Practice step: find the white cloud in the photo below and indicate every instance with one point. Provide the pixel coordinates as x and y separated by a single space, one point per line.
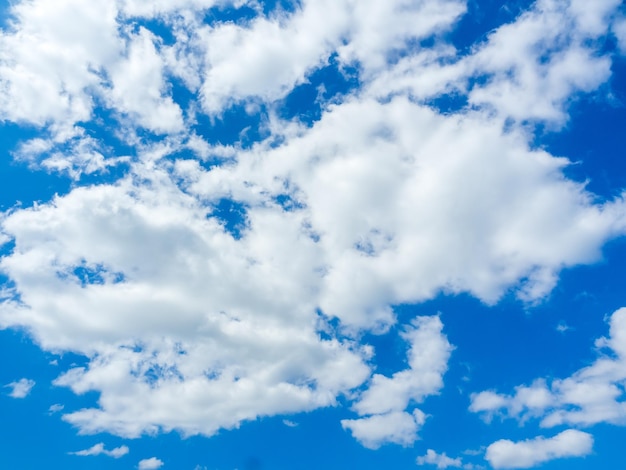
186 327
138 86
442 461
51 57
530 453
429 351
269 57
98 449
529 69
593 394
150 464
526 402
542 59
21 388
397 427
55 408
386 398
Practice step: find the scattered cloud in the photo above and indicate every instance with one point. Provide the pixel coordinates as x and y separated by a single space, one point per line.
439 460
98 449
385 400
150 464
533 452
396 427
563 327
289 423
57 407
21 388
593 394
189 325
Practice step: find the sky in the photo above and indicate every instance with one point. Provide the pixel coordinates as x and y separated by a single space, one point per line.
293 235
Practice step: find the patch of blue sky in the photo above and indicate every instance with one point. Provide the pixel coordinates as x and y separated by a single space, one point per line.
592 139
30 419
229 13
482 18
288 202
390 350
240 125
88 275
328 84
232 215
157 27
21 186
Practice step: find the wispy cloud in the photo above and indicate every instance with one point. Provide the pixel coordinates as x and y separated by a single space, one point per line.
21 388
99 449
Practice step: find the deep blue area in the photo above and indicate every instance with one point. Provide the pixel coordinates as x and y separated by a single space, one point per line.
235 126
232 215
230 14
474 27
594 139
156 27
327 84
96 275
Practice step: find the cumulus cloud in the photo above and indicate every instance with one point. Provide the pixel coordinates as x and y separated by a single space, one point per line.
385 400
189 325
98 449
593 394
397 427
150 464
530 453
21 388
428 355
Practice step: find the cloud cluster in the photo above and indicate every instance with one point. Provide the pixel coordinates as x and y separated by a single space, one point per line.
190 325
593 394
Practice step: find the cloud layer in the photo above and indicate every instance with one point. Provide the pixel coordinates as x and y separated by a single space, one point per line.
195 320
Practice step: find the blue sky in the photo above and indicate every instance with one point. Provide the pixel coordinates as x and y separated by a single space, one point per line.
316 234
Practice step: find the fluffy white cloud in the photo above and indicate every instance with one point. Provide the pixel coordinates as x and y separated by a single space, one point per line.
594 394
150 464
527 454
51 58
465 182
98 449
386 398
270 56
428 361
397 427
529 69
21 388
187 326
540 60
138 85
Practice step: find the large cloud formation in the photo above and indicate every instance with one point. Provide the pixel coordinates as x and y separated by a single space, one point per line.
191 325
